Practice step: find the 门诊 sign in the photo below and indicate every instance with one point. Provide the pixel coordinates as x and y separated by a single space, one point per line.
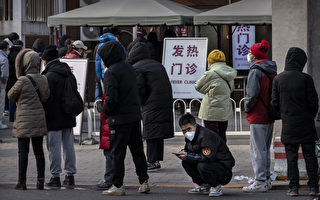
185 63
242 39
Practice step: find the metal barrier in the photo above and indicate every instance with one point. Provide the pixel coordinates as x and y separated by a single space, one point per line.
94 126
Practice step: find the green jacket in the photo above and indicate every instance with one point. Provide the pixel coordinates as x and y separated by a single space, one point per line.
216 104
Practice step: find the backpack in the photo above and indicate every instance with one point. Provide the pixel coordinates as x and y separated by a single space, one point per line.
273 114
72 103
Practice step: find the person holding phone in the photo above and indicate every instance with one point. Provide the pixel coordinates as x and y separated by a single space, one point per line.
205 157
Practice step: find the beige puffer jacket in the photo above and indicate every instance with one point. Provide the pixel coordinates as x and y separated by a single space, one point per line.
30 117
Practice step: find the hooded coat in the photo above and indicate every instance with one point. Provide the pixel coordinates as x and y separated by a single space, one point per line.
30 117
120 85
155 93
56 73
294 95
216 104
259 85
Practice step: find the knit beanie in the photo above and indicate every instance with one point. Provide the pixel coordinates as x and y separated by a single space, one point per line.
260 50
50 53
216 56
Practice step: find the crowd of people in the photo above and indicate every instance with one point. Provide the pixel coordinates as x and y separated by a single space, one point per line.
134 86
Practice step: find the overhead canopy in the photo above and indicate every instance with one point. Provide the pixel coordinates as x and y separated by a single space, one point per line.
242 12
126 13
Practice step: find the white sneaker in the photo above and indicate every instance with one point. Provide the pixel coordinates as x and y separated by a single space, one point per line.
257 186
269 184
144 187
203 189
114 191
3 126
215 191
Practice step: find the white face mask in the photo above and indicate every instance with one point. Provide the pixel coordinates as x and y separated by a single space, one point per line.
7 52
248 58
189 135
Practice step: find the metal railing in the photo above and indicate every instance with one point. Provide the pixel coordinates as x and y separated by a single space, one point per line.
94 121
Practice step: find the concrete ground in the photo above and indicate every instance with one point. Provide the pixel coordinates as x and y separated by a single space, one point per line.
168 183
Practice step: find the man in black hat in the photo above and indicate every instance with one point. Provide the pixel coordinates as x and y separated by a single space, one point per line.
58 122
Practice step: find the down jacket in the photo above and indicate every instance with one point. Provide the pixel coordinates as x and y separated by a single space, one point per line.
120 84
30 117
104 129
155 93
216 104
295 96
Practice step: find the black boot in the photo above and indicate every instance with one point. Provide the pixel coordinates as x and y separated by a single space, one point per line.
40 183
21 186
54 182
69 180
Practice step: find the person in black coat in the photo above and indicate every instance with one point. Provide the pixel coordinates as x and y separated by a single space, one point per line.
156 102
15 49
59 124
123 115
295 97
205 157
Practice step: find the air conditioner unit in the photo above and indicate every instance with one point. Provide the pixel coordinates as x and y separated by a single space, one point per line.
87 2
89 33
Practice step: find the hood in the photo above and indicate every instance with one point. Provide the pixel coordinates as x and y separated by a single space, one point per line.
106 37
58 67
27 62
138 52
224 71
111 52
38 45
295 60
269 66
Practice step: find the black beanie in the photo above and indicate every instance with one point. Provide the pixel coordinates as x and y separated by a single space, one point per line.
50 53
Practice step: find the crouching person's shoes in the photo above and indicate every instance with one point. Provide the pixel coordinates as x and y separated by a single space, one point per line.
69 180
203 189
215 191
256 186
54 182
144 187
114 191
294 191
21 186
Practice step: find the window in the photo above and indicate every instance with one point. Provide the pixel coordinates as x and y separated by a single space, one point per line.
38 11
6 13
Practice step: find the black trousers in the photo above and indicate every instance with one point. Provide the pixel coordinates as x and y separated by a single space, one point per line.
122 136
219 127
23 151
211 173
155 150
311 161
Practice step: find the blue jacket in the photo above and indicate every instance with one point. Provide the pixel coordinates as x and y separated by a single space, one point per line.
103 39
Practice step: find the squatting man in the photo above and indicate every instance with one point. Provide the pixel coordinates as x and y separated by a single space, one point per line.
205 157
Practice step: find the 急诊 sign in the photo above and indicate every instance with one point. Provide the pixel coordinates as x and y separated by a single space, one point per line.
242 39
185 62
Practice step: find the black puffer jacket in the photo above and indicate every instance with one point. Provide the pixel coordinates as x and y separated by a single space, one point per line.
155 93
294 95
120 84
56 72
207 146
